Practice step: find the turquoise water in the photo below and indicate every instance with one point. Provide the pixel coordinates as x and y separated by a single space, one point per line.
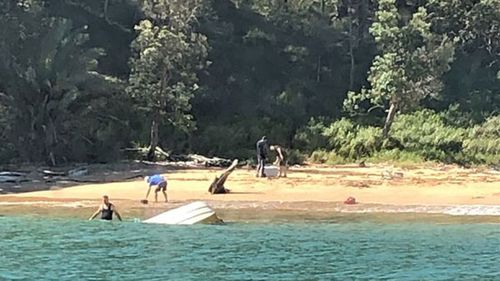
41 248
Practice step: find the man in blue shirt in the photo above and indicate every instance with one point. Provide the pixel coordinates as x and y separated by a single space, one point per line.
161 184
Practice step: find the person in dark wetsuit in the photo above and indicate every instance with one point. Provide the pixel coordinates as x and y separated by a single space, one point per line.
107 210
262 149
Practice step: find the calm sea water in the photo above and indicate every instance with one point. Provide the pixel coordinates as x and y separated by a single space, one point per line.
41 248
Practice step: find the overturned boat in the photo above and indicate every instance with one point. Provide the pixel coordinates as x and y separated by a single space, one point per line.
196 212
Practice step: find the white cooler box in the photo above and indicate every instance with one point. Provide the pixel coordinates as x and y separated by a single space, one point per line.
271 171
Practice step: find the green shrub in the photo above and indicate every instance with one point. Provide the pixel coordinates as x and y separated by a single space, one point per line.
352 142
327 157
426 133
396 155
295 157
319 156
340 133
425 129
483 142
420 136
311 137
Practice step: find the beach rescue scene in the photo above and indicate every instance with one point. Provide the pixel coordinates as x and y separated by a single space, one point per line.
249 140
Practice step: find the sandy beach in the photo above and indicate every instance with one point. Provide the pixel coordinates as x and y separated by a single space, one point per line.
308 188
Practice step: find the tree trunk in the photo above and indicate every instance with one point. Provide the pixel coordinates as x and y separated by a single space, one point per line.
154 137
106 5
351 70
217 186
390 118
351 47
154 133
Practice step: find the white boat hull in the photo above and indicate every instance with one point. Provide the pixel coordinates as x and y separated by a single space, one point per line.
196 212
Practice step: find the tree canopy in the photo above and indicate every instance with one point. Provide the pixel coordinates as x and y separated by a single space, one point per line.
80 80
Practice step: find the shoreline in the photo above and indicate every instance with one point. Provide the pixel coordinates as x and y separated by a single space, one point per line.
41 206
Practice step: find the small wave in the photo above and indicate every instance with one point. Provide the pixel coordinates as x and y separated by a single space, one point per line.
474 210
455 210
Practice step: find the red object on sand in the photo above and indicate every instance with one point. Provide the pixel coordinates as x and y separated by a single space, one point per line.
350 201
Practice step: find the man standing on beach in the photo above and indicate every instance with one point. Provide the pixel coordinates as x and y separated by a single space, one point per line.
262 148
161 184
106 209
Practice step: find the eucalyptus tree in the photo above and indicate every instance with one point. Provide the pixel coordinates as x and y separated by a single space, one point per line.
167 54
410 64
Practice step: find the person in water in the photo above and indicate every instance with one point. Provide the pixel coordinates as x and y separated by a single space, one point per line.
281 159
107 210
161 184
262 148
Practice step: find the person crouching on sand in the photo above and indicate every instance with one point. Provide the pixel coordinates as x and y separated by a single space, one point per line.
106 209
281 159
161 184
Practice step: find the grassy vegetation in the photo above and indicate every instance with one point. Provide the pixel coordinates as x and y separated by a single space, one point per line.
415 138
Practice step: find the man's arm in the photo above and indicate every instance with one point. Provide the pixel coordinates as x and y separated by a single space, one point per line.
280 154
96 213
277 161
117 214
147 193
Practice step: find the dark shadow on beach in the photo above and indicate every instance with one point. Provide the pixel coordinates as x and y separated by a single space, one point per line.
243 192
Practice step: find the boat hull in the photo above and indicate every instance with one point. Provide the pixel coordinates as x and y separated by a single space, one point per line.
196 212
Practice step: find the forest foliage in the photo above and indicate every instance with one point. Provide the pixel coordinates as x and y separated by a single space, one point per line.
336 80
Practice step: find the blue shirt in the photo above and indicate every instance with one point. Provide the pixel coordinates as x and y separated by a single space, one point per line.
155 180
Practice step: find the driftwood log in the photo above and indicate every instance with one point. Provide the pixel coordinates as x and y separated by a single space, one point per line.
12 177
217 186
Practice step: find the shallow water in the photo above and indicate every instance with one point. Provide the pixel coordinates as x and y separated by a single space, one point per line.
328 248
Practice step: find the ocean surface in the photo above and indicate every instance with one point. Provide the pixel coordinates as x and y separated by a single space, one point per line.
333 248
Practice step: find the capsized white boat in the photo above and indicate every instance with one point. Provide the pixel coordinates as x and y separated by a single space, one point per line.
196 212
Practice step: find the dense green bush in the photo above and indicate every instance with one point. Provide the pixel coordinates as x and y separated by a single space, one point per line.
396 155
421 136
352 141
327 157
311 137
483 142
295 157
426 133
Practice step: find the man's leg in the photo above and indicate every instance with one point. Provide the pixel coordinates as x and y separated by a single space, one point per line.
156 195
165 194
262 167
258 166
282 171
